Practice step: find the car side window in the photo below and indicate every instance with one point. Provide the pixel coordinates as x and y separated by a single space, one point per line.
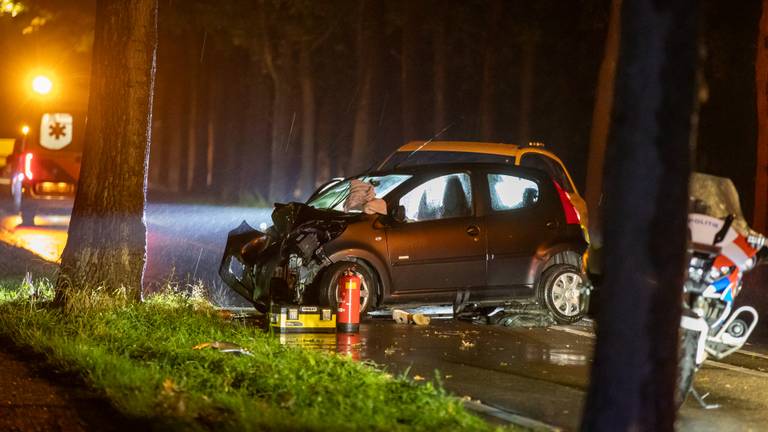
549 166
443 197
509 192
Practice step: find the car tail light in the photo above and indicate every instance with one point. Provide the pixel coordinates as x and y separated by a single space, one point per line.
28 166
571 214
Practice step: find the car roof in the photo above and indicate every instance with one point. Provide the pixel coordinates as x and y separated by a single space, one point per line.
427 169
494 148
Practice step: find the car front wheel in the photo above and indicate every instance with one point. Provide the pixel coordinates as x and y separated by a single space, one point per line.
560 291
329 285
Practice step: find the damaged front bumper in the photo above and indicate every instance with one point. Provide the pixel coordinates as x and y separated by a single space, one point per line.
282 263
244 267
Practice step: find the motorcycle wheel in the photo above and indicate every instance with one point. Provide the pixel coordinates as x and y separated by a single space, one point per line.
686 365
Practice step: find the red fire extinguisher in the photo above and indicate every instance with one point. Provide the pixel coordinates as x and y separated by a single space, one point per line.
348 317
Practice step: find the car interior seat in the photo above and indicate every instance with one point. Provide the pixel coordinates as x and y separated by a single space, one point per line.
426 212
530 196
454 199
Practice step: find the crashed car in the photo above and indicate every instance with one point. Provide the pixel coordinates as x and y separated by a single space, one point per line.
480 236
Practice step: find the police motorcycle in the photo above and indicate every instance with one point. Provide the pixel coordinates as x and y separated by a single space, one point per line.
722 249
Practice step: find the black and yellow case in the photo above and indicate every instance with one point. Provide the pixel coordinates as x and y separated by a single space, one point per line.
301 319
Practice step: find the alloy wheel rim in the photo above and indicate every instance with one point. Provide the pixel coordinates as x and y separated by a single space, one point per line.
566 294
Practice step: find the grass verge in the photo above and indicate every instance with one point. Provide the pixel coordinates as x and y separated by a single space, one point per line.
140 357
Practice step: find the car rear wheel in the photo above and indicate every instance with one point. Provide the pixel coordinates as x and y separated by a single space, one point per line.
329 285
560 291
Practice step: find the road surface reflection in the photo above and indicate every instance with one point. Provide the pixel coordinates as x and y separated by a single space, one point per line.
45 239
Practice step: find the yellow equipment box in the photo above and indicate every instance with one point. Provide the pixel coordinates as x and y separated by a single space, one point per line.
301 319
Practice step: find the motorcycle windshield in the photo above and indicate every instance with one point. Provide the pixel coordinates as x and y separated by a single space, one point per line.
716 197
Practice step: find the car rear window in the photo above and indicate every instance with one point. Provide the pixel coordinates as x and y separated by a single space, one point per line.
407 159
509 192
549 166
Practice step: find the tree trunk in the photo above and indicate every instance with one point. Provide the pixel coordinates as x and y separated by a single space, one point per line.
254 177
366 69
761 90
193 114
439 72
408 68
601 120
197 165
325 133
107 235
527 67
283 118
487 89
177 129
646 190
307 176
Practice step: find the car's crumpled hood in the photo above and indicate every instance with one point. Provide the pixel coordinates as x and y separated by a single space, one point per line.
286 217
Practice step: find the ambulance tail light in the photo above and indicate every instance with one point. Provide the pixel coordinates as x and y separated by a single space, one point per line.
28 166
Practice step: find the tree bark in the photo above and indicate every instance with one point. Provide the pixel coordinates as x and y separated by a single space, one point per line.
408 67
527 67
254 177
487 89
646 190
307 175
439 72
283 119
360 156
107 235
761 91
601 120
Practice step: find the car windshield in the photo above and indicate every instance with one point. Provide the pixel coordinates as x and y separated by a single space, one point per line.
716 197
406 158
333 197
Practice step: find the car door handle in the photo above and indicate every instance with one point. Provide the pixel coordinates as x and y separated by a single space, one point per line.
473 231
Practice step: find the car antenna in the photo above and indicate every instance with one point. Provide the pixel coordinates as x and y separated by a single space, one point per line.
437 135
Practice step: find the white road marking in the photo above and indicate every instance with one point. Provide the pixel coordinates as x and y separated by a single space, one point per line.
727 366
753 354
510 417
737 369
574 331
593 336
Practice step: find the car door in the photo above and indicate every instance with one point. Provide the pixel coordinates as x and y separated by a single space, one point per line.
440 247
517 223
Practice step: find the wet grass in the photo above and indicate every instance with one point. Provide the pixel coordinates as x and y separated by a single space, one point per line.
140 357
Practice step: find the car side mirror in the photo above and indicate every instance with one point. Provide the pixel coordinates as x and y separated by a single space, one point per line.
397 213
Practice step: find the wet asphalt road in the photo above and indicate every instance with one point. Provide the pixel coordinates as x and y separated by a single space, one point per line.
540 373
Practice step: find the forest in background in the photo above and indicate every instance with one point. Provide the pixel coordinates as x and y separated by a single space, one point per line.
262 100
269 99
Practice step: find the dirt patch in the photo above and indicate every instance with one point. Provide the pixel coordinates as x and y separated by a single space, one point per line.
35 398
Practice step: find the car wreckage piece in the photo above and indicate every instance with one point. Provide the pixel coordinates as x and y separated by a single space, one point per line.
281 263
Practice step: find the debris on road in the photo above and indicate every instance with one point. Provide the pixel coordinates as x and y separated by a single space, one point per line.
465 345
402 317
